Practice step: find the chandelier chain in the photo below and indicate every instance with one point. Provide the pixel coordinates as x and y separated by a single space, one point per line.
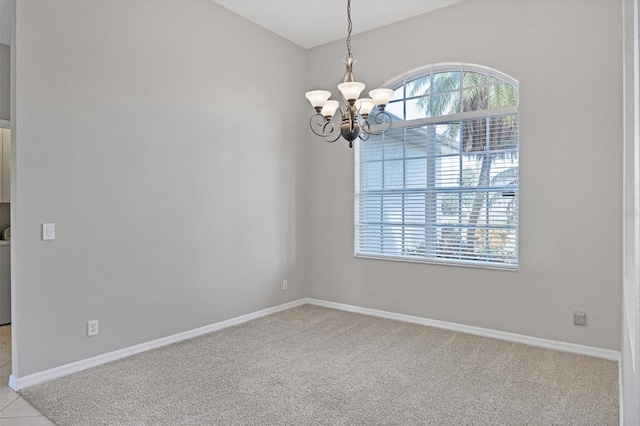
349 27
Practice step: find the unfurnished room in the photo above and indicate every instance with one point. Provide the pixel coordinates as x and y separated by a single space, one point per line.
319 212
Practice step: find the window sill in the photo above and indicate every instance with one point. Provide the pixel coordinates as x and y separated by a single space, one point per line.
466 264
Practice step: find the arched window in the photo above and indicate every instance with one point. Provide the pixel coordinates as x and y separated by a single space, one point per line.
442 184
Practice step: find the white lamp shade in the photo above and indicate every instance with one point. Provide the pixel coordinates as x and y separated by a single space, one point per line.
329 108
365 105
381 96
351 90
317 97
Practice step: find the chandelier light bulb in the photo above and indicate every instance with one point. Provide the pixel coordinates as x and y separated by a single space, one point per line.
364 106
351 90
381 97
317 98
329 109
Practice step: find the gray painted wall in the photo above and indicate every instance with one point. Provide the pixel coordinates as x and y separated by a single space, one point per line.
157 136
567 57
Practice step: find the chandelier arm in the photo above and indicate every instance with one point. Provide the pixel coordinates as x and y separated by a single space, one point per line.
328 128
353 117
327 134
364 135
384 115
362 122
382 132
377 120
314 120
332 127
326 138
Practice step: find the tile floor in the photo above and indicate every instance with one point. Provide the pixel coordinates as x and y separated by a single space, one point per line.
14 411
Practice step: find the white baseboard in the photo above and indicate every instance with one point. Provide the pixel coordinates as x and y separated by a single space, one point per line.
502 335
17 383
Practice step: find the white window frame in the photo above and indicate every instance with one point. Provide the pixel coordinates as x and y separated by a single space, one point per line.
400 81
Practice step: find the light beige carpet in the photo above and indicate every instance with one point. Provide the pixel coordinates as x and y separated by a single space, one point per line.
316 366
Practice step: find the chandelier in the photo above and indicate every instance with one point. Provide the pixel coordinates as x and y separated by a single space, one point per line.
356 113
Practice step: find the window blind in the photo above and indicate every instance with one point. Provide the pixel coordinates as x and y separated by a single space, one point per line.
446 191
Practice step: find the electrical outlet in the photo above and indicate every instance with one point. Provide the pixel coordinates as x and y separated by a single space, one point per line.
579 318
285 284
92 327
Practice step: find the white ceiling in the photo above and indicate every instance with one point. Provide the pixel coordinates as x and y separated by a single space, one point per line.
310 23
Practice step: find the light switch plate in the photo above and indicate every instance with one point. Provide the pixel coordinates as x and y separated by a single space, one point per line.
48 231
92 328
